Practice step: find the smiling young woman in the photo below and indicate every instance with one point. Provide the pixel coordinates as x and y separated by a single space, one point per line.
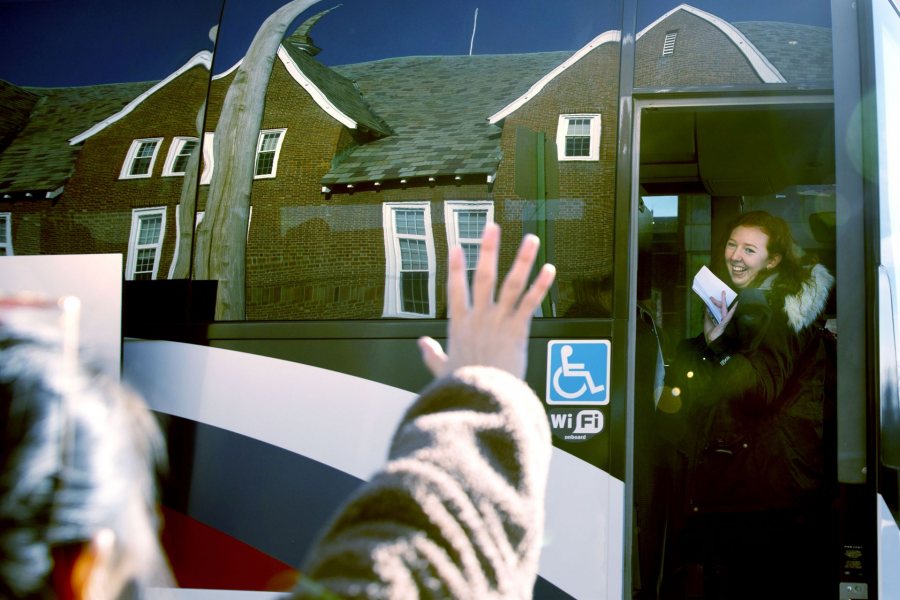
751 393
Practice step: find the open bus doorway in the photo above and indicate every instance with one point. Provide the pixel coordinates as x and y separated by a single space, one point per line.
698 164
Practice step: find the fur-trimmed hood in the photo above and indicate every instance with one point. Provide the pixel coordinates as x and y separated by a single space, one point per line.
805 306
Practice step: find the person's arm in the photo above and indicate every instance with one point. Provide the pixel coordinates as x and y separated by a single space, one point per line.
458 509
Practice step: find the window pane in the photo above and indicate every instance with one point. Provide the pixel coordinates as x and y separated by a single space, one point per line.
414 290
145 259
140 166
265 163
578 146
269 142
579 127
145 150
413 255
184 154
410 222
401 112
150 228
471 252
471 223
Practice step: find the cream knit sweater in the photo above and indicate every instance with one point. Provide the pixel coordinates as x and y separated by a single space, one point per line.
458 509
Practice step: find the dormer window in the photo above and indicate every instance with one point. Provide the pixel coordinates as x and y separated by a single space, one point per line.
669 43
179 154
578 137
268 147
140 158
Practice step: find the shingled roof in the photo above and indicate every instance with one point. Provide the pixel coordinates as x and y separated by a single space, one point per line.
339 90
40 159
801 53
437 107
17 104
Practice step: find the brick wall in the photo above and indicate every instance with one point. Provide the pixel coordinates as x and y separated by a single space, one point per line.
704 56
582 216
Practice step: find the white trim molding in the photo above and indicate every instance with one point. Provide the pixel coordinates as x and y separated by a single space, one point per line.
393 254
604 38
314 92
209 162
203 58
764 69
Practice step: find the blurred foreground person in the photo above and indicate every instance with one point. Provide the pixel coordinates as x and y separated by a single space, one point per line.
458 509
78 458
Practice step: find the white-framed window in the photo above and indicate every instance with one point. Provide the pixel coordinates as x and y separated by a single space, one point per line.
578 137
465 221
140 158
6 244
268 147
669 43
208 161
148 226
409 286
179 155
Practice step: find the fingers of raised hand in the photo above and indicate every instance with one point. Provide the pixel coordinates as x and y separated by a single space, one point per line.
486 271
457 284
536 293
517 278
433 356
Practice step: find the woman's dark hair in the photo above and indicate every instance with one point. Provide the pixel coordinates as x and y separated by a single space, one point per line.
79 454
791 272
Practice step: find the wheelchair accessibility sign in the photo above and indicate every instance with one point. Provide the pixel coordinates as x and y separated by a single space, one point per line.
578 372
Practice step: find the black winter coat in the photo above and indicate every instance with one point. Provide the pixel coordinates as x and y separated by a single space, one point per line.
754 403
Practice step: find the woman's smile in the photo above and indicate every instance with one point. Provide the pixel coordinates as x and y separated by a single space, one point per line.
747 255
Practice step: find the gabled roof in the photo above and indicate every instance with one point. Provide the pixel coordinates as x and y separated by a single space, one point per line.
333 92
604 38
758 61
767 72
437 107
801 53
17 104
40 159
202 58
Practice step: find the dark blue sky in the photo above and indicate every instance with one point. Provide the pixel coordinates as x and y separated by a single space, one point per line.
83 42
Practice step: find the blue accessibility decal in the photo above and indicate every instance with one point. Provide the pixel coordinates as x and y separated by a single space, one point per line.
578 372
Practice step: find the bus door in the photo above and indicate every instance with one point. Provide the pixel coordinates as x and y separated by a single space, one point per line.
698 164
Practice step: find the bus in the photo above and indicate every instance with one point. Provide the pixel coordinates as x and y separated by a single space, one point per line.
279 350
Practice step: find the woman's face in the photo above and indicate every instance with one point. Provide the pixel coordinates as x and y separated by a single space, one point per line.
747 255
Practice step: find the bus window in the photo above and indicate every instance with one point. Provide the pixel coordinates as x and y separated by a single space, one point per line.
700 167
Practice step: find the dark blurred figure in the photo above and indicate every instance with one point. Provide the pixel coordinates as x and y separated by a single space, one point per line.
78 461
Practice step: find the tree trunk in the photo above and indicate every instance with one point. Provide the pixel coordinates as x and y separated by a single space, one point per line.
222 237
187 208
